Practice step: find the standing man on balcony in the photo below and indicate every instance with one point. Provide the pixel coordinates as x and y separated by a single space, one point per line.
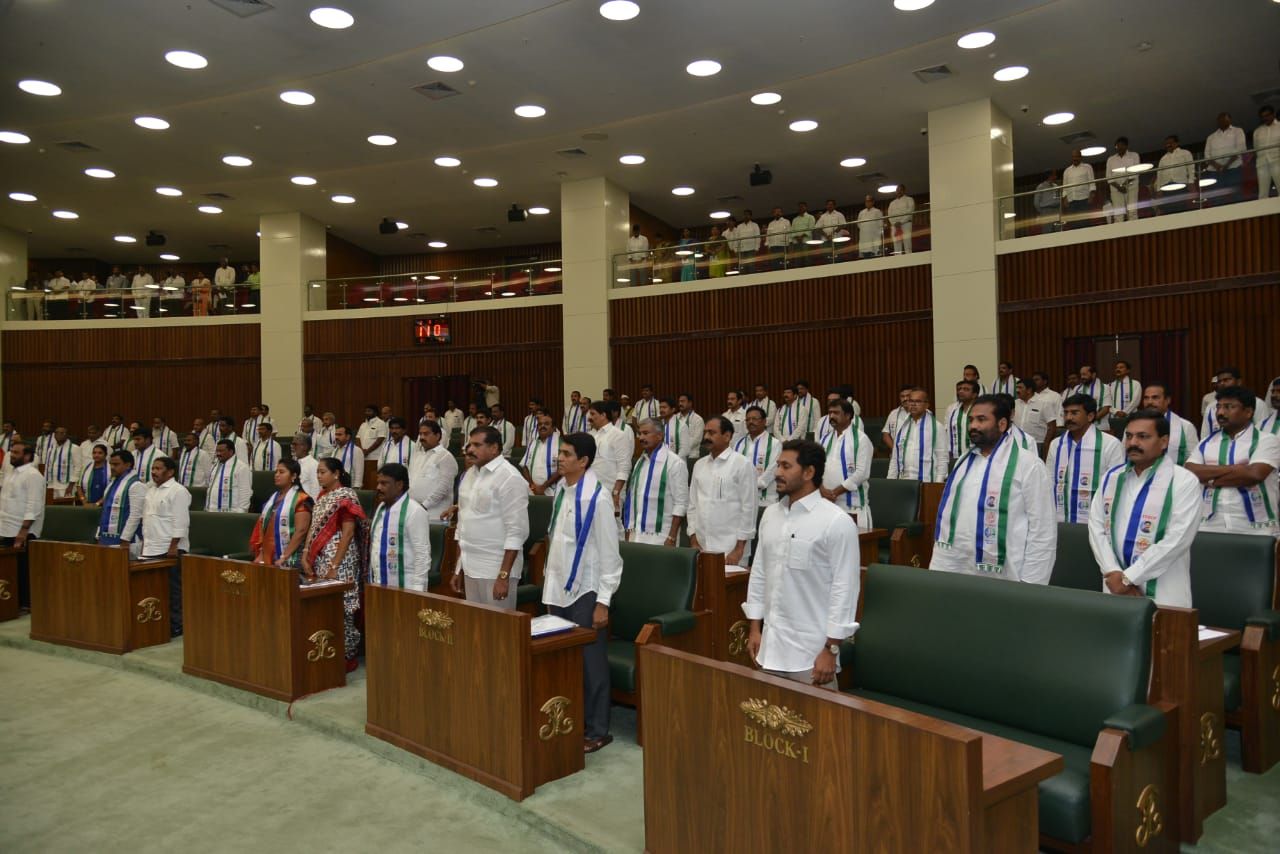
776 236
901 214
832 222
638 257
1178 174
1123 183
224 279
802 226
870 229
1266 145
1048 202
1077 190
1222 152
746 242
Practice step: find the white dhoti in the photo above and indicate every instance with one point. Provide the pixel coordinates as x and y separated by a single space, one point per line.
902 238
1124 204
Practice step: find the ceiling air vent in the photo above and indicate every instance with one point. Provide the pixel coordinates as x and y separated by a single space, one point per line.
872 177
728 200
595 136
1082 136
932 74
222 197
488 229
220 247
572 152
242 8
436 91
76 145
1271 96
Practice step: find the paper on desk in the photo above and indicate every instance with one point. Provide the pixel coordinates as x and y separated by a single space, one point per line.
734 570
549 624
1210 634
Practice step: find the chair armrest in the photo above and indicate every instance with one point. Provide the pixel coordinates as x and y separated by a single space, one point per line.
675 622
1268 620
914 528
1142 725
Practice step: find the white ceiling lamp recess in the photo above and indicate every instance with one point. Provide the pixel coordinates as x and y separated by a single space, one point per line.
331 18
445 64
703 68
619 10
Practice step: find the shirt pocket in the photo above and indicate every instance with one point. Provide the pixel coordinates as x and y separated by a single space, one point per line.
800 554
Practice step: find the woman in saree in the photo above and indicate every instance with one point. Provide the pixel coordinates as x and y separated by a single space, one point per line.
688 264
92 485
285 520
717 250
335 544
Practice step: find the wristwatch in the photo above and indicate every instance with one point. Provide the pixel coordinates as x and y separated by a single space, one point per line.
834 649
503 575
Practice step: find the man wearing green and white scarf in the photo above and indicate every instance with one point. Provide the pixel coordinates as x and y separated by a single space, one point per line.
657 495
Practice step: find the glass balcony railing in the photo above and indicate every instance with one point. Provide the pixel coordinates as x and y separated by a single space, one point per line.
1174 184
52 301
831 241
434 287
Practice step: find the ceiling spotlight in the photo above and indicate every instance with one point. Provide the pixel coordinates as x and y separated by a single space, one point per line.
853 162
485 182
1058 118
382 139
539 210
237 160
973 41
331 18
13 137
703 67
401 226
619 10
96 172
766 99
448 162
887 188
66 214
343 199
209 209
530 111
303 180
445 64
387 226
298 98
1093 151
720 214
911 5
185 59
22 197
39 87
1011 72
517 214
436 244
682 191
168 191
803 125
125 238
631 159
151 123
155 238
169 256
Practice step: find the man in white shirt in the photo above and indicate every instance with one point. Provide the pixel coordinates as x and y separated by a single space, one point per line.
166 522
347 452
266 451
646 405
1175 178
117 281
539 463
761 399
870 229
1266 145
91 437
638 257
1271 424
171 291
575 415
1238 467
58 296
230 481
1228 377
400 535
1145 517
919 450
736 414
1123 183
22 510
832 222
800 421
224 279
1124 394
194 464
781 423
957 418
44 441
144 455
309 414
1182 433
1078 459
62 463
307 428
1005 381
777 235
116 434
1033 416
162 436
398 447
1013 536
746 242
611 459
506 430
691 430
1092 385
802 226
493 523
802 596
580 580
722 498
1072 383
141 287
761 449
120 523
371 433
308 478
324 436
1222 152
894 419
657 497
1049 403
848 467
1077 191
451 419
86 286
433 472
529 429
1048 203
901 214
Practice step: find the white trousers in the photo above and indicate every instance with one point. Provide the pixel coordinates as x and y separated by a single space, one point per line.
1268 172
1124 205
480 591
901 238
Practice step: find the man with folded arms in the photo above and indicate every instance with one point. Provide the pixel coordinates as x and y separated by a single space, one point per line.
1237 466
1145 516
493 523
658 491
400 535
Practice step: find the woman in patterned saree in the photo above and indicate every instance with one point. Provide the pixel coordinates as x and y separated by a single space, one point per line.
286 518
335 544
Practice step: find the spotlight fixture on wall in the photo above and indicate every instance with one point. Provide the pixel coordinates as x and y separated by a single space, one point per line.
387 226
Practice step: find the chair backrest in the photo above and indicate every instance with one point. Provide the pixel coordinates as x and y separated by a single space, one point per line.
220 534
655 580
264 485
1044 659
879 467
894 503
198 496
1233 577
539 518
368 501
437 546
70 524
1075 566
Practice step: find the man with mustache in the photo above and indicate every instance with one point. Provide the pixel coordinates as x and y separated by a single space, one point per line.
1079 458
1237 466
1145 516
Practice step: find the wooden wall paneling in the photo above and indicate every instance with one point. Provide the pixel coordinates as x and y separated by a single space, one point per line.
388 265
344 259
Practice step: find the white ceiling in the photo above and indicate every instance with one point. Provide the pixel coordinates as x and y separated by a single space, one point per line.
847 65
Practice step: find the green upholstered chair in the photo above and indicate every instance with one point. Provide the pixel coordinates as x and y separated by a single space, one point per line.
873 427
221 534
879 467
529 593
67 523
1075 566
437 554
198 496
263 485
368 501
895 506
1021 661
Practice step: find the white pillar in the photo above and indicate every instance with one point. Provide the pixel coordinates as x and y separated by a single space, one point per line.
594 223
970 165
13 271
292 253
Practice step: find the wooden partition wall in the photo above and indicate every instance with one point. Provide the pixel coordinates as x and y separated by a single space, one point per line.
78 377
353 362
872 330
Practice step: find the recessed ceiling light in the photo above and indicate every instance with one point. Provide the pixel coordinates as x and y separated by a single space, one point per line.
168 191
169 256
703 67
382 139
631 159
96 172
446 64
887 188
66 214
331 18
125 238
803 125
343 199
853 162
39 87
911 5
551 269
401 225
151 123
237 160
185 59
539 210
209 209
298 98
448 162
682 191
436 244
13 137
22 197
619 10
303 180
485 182
1093 151
1058 118
973 41
765 99
720 214
1011 72
530 111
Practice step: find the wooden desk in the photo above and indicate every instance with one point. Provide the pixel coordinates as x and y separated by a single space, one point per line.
466 687
742 761
869 545
96 598
255 627
9 583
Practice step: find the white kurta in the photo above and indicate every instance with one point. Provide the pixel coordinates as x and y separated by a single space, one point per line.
657 491
62 465
431 479
400 452
142 461
599 564
400 545
194 467
957 430
612 462
1239 510
762 453
307 476
1182 437
870 231
919 450
21 500
849 465
266 454
799 418
1075 470
541 458
738 418
508 434
722 503
493 517
352 459
166 516
230 487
